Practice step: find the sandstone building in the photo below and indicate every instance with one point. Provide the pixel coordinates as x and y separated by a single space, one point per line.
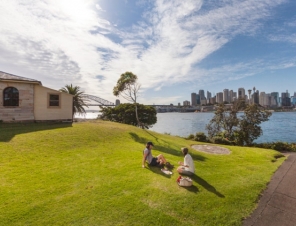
24 99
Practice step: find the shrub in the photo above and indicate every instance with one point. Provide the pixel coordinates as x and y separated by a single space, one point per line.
278 155
278 146
125 113
221 140
283 146
190 137
200 136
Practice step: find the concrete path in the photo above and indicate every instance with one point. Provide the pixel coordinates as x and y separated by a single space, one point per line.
277 206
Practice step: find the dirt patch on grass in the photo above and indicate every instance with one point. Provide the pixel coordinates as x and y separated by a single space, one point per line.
211 149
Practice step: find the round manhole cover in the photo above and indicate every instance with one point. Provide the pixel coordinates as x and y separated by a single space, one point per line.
211 149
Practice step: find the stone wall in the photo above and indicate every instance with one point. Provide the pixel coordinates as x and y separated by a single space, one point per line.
43 111
25 110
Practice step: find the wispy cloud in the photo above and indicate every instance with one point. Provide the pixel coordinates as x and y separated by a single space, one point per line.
69 41
284 38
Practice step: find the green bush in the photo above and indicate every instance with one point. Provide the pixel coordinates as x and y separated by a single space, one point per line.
278 146
221 140
190 137
125 113
200 136
283 146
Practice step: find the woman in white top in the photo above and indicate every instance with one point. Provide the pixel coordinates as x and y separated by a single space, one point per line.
186 167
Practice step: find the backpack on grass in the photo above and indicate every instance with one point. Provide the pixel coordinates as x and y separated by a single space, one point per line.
184 181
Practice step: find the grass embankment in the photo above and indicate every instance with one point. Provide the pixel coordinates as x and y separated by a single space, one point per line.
90 174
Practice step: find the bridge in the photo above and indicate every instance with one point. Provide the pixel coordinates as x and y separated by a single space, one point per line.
98 100
159 108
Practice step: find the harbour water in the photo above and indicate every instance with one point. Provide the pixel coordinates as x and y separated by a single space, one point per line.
281 126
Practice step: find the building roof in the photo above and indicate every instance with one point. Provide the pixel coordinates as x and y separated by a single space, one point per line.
14 78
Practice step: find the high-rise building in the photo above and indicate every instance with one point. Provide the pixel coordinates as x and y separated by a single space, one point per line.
209 95
255 97
275 101
202 94
230 96
219 98
268 99
197 99
286 100
241 93
234 96
263 99
193 99
293 100
226 95
117 102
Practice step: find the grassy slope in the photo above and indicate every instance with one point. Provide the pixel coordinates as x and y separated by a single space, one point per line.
90 174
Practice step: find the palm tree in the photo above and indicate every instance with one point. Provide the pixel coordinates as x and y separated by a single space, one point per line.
79 102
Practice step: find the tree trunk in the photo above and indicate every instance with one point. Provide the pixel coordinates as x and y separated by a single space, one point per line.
137 117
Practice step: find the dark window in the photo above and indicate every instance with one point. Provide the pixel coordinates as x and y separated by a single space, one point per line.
54 100
10 97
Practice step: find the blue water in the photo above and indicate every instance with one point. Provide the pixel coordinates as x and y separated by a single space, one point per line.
280 127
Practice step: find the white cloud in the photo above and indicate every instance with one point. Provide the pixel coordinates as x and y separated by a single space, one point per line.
284 38
99 7
65 41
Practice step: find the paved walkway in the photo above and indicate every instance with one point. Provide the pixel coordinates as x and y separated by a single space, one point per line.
277 206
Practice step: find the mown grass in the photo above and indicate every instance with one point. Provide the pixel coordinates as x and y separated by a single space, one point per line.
90 174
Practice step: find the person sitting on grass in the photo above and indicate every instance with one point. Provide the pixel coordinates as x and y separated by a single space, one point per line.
186 167
152 161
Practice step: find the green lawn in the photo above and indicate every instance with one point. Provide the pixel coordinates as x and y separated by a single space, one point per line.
90 174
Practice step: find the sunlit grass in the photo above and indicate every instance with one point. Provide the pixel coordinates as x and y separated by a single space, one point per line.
90 174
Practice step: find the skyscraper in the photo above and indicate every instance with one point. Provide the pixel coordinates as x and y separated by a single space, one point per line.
234 96
256 97
275 102
209 95
197 99
286 100
193 99
263 99
230 96
219 98
241 93
226 95
202 94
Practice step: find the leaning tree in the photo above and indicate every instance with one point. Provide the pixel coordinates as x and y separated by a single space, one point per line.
128 87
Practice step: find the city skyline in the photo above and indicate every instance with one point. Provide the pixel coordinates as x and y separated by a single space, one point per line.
254 95
173 46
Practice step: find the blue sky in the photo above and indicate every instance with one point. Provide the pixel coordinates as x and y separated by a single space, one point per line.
175 47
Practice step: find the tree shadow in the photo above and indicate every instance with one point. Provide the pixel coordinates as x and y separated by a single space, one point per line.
165 149
9 130
206 185
156 138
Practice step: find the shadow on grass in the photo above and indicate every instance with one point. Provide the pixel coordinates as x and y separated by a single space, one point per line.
157 170
9 130
192 188
165 149
206 185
